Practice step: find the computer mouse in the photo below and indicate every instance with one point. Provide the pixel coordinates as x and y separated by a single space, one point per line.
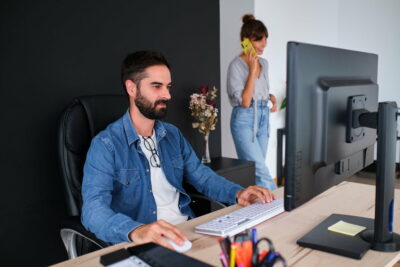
185 247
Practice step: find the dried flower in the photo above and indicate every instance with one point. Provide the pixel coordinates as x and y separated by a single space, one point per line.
203 109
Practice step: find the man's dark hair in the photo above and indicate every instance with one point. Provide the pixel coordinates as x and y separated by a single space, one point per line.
134 65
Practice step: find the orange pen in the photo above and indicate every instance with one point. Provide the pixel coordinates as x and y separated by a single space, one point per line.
248 252
244 253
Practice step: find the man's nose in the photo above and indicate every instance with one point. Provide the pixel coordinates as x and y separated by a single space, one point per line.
166 94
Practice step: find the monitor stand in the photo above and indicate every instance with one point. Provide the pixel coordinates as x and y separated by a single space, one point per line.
379 233
349 246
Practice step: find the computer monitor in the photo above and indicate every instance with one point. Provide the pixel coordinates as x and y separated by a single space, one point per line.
331 129
319 82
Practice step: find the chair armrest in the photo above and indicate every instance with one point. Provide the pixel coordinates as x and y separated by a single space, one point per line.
216 203
72 232
201 204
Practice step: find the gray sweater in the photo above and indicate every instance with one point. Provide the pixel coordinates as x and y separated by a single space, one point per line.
237 77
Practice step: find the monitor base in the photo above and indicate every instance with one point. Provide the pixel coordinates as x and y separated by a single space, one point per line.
321 238
391 245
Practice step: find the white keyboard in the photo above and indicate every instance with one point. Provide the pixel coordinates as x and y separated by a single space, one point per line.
239 220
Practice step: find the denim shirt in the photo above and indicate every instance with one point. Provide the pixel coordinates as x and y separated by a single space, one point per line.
116 188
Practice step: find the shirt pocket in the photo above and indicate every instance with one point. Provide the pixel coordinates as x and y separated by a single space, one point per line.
126 176
127 185
177 163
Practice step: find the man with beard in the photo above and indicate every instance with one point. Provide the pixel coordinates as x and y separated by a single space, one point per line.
132 185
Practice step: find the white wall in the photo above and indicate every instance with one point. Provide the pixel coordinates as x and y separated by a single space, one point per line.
365 25
374 26
307 21
231 12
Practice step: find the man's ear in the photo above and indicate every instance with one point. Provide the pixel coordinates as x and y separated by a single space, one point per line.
130 88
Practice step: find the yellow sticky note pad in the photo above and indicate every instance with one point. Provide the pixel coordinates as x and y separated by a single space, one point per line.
346 228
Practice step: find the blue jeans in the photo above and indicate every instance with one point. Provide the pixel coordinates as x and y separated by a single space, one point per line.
249 148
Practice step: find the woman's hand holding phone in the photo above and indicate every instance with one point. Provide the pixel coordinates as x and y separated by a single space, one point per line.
247 47
250 57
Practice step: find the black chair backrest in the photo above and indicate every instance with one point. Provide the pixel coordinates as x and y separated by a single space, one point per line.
80 122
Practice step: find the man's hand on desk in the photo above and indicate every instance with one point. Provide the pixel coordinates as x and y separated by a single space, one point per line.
156 232
253 194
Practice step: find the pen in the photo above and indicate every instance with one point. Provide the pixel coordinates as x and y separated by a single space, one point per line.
254 236
240 254
248 252
225 247
223 259
232 257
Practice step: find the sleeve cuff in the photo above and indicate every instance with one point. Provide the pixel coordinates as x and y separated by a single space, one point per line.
233 192
125 228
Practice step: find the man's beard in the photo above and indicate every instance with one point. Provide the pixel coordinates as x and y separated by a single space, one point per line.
148 109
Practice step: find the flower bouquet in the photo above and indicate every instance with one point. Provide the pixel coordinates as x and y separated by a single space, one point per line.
203 109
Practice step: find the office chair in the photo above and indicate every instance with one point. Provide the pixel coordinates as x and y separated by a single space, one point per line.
83 118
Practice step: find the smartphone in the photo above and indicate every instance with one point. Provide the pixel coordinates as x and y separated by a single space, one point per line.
247 47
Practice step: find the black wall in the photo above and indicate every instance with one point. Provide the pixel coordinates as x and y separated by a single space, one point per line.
52 51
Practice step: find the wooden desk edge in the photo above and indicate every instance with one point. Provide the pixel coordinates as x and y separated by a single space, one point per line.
187 229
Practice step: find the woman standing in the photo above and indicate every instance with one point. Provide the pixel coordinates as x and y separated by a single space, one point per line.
248 91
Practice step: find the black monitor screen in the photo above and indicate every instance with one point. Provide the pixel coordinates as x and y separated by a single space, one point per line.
321 84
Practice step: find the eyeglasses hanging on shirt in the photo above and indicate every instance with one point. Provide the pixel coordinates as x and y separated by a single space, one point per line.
151 146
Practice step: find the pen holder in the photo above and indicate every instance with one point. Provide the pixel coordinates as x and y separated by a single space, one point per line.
245 251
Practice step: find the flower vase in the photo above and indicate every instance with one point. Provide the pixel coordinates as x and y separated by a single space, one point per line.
206 154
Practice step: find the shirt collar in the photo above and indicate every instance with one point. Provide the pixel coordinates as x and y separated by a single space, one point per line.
131 133
160 129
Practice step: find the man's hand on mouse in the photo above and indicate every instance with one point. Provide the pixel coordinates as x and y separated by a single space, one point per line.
156 232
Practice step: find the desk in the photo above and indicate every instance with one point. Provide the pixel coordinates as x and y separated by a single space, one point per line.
239 171
284 229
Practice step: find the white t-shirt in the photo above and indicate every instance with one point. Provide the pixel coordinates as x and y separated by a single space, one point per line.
165 195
